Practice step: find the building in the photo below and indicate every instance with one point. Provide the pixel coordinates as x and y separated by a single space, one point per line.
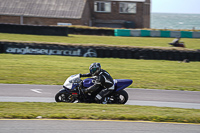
102 13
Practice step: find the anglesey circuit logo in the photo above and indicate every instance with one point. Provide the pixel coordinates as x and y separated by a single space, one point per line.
45 51
90 53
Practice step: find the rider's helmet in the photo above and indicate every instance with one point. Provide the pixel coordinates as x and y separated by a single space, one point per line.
95 68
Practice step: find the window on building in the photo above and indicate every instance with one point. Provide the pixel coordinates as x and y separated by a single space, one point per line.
125 7
100 6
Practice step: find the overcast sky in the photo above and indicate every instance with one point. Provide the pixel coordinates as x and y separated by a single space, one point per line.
176 6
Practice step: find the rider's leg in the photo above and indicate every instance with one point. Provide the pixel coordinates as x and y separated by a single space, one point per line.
103 93
91 89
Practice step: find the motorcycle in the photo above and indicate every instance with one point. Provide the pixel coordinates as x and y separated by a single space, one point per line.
73 91
176 43
181 44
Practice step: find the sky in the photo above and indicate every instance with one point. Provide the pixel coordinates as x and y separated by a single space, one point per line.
176 6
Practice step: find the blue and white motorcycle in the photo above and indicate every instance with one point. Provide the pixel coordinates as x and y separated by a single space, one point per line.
73 86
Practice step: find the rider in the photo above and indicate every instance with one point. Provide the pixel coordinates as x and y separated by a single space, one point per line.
103 79
175 42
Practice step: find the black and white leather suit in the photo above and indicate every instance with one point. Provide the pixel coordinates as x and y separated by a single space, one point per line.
103 79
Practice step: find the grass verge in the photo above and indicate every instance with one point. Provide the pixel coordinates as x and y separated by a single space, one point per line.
53 70
191 43
95 111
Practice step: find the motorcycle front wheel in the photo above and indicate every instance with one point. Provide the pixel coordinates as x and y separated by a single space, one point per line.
64 97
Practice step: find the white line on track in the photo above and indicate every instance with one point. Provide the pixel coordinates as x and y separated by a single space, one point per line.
36 90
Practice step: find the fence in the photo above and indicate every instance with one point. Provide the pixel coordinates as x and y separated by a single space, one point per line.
82 31
153 33
34 30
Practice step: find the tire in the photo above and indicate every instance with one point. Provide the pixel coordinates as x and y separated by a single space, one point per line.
121 97
64 97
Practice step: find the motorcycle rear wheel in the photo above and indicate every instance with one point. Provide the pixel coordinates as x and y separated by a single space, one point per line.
121 97
64 97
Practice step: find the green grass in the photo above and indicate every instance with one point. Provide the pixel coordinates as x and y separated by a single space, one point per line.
191 43
53 70
44 69
97 111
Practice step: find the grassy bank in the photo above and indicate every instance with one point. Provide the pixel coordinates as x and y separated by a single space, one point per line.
191 43
96 111
153 74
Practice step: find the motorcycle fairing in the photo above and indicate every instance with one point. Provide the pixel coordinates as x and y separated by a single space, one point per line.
122 83
72 81
119 83
88 82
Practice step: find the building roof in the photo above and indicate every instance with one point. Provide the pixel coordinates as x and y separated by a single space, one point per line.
125 0
43 8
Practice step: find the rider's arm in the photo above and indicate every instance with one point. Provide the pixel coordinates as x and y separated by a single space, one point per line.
86 75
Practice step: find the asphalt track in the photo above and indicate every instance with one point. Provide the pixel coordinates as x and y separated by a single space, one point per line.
147 97
82 126
46 93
